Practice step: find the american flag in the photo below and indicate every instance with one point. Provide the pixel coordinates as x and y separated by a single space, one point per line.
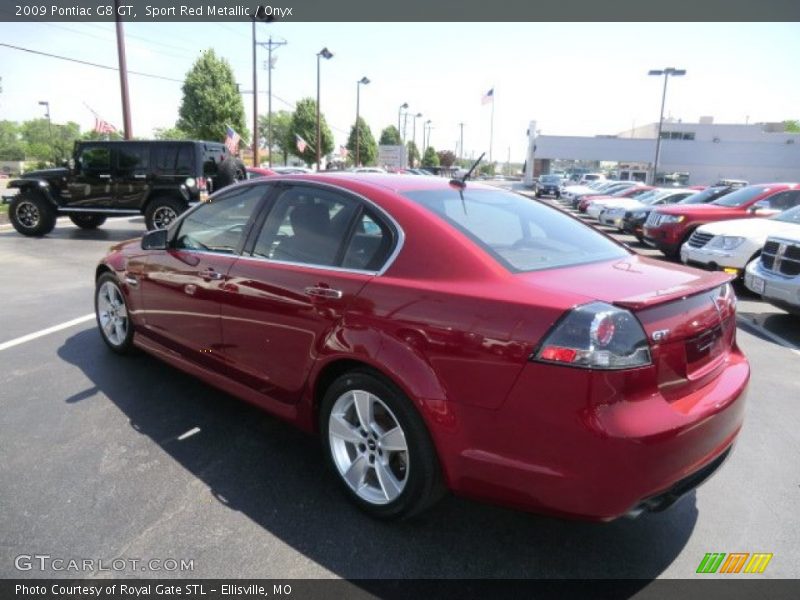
488 97
232 140
101 126
343 151
301 143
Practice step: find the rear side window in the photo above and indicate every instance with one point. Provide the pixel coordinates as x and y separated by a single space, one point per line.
306 225
369 245
521 234
173 159
133 158
741 196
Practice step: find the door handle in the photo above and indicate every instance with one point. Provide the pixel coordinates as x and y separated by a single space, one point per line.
104 176
323 292
140 176
210 273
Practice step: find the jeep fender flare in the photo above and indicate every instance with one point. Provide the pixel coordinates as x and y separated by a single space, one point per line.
34 186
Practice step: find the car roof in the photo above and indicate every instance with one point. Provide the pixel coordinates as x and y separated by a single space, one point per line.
387 181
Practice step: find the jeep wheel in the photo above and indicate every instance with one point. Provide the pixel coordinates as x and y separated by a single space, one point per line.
161 212
88 221
32 215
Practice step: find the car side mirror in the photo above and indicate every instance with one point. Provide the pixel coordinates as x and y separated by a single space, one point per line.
760 205
155 240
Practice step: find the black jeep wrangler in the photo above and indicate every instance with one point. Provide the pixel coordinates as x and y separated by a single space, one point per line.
159 179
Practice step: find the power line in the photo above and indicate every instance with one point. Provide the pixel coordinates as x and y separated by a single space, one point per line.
87 63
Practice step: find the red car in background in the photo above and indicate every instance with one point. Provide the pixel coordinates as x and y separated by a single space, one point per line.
669 227
631 192
439 334
256 172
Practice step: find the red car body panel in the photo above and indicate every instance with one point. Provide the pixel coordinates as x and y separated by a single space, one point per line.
455 331
669 237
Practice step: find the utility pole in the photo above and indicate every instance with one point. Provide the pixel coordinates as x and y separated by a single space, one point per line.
270 65
461 147
255 100
123 76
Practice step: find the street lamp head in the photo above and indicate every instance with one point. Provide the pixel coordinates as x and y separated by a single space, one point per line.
678 72
418 115
364 80
44 102
404 105
428 122
325 53
655 72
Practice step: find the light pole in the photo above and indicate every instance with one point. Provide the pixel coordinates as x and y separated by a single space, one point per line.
363 81
666 73
327 55
426 141
46 105
403 106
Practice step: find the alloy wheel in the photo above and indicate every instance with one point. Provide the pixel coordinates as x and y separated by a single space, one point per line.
368 446
112 314
28 214
163 216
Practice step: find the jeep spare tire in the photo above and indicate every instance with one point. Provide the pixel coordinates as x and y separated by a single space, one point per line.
229 171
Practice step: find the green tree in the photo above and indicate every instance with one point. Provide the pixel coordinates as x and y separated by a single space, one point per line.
304 124
48 142
211 100
413 154
11 147
430 159
390 137
367 148
446 158
281 124
170 133
792 126
486 169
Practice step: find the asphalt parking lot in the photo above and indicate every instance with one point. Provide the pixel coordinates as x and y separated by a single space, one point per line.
106 456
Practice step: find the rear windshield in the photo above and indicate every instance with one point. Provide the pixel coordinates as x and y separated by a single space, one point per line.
521 234
741 196
707 195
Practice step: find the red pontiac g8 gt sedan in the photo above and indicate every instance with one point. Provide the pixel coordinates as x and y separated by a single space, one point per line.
443 335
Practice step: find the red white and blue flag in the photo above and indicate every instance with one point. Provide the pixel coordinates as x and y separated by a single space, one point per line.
301 143
232 140
343 152
488 97
101 126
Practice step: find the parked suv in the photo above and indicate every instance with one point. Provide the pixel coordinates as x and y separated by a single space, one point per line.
159 179
549 185
669 227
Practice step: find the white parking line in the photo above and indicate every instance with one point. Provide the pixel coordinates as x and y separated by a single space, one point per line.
747 323
44 332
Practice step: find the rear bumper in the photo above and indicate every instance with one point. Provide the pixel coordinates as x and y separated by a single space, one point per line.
573 443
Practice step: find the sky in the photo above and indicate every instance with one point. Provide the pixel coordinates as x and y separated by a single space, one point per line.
571 78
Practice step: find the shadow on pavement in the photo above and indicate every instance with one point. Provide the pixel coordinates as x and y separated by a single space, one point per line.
275 475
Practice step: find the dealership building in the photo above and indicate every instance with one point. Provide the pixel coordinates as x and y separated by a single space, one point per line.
707 151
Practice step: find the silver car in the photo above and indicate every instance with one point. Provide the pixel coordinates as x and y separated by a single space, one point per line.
776 274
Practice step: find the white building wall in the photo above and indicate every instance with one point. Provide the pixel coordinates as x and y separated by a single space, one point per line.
768 160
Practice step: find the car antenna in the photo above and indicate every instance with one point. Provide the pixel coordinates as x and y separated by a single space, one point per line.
462 182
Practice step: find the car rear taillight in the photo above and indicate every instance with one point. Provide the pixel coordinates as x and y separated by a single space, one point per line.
596 336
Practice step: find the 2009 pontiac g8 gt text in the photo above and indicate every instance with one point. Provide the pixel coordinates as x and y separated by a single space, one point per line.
440 335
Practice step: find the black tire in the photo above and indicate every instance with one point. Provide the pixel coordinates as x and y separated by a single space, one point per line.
422 484
112 314
88 221
161 212
31 214
229 172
